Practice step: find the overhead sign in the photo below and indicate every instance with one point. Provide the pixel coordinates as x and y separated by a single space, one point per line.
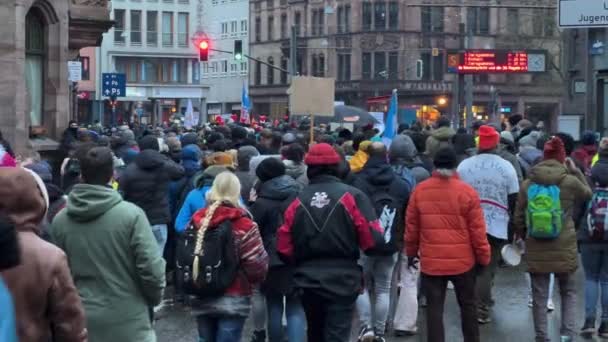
74 71
114 85
583 13
312 95
496 61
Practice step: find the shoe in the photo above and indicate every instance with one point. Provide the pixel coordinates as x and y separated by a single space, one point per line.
379 339
550 305
405 333
366 334
588 328
530 302
603 330
259 336
484 320
566 339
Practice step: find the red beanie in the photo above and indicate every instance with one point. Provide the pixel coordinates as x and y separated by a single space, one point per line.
488 138
554 149
322 154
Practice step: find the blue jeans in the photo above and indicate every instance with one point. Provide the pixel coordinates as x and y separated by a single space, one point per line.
296 318
160 233
220 328
595 264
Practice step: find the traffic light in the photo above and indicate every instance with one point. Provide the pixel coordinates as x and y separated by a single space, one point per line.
203 50
238 50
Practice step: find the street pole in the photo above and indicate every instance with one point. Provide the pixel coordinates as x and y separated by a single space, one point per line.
458 86
293 51
468 80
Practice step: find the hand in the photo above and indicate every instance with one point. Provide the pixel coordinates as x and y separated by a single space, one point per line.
571 166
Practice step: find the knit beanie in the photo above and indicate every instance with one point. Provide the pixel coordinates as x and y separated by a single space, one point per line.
322 154
270 168
402 147
554 149
530 139
588 138
189 139
149 142
245 153
488 138
445 158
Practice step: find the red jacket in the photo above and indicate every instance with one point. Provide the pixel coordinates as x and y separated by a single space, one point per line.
445 227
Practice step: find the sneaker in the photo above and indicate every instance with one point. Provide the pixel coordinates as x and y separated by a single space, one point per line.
405 333
530 302
550 305
603 330
484 320
366 334
566 339
588 327
379 339
259 336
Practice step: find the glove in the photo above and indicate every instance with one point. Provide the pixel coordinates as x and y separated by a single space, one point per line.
413 262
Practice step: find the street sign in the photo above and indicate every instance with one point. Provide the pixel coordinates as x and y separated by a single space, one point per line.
114 85
583 13
74 71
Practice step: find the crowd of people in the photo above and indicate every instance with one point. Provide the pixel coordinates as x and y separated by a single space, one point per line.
337 239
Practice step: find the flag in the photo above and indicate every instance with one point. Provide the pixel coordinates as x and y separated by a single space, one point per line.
245 105
189 117
390 130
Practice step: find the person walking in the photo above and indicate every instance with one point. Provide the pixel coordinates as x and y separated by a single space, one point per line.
112 252
554 187
220 318
47 304
445 228
274 191
325 227
495 180
145 183
389 194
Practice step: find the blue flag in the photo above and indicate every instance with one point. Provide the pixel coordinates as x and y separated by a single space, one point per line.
245 105
390 130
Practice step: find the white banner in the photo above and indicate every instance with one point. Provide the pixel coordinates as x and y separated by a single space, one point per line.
583 13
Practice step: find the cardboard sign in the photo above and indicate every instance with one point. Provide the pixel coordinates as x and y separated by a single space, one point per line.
311 96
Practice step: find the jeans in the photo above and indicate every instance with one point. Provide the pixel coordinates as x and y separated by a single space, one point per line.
485 279
378 273
329 320
296 318
219 328
567 289
595 264
464 286
258 310
160 233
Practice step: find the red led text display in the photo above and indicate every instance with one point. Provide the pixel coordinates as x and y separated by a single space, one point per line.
488 61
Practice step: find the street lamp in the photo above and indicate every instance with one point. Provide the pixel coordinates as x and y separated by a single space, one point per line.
442 101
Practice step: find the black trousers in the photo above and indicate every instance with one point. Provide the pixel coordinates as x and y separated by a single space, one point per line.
464 286
328 320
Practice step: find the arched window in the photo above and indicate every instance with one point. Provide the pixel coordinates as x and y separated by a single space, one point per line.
35 54
270 73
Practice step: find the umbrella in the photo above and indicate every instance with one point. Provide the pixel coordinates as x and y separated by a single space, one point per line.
349 114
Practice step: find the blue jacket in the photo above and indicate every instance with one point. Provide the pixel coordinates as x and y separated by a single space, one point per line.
195 201
8 330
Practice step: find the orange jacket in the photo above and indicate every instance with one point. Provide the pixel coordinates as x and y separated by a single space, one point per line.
445 226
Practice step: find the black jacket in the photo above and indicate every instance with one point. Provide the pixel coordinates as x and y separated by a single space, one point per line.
379 176
267 210
324 229
145 183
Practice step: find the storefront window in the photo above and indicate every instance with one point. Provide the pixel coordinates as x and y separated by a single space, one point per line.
34 65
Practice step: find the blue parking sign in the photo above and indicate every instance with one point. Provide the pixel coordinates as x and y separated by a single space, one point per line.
114 85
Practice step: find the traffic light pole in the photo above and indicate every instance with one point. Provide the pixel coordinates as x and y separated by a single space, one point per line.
253 59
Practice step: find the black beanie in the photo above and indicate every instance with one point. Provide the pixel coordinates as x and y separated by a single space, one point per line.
149 142
445 158
270 168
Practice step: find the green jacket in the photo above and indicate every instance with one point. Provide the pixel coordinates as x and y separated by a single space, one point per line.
114 260
558 255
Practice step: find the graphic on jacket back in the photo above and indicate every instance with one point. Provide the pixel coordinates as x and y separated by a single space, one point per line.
319 200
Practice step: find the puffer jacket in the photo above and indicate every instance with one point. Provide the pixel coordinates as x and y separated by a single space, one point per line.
294 170
558 255
439 138
445 226
45 298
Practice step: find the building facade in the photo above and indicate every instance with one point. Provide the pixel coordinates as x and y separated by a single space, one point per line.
225 21
372 47
38 38
152 43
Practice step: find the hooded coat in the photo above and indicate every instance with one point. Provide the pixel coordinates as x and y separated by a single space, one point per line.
439 138
558 255
403 154
191 162
46 300
115 262
527 157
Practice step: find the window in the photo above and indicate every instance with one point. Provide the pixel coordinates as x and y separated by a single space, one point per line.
119 26
366 10
244 27
271 28
393 65
205 69
233 69
269 4
549 23
224 28
258 29
478 19
153 70
317 21
513 21
393 15
234 28
152 28
298 24
432 67
438 68
432 19
380 71
243 68
258 73
86 68
318 65
343 18
366 66
224 66
270 71
284 34
379 16
135 27
284 67
167 29
426 65
344 67
34 65
182 29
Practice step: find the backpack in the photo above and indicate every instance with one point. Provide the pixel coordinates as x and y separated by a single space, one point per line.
597 217
544 212
389 210
407 175
217 266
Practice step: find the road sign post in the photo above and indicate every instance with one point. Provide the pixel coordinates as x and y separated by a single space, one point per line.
113 86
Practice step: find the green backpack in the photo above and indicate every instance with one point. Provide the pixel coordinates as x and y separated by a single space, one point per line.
544 213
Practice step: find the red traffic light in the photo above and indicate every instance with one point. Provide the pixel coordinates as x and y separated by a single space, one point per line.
203 45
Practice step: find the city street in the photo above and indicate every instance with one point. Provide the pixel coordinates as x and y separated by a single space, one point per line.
512 317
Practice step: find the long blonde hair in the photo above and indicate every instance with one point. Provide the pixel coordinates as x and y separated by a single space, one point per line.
226 188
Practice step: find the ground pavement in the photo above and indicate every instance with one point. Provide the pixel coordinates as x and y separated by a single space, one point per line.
512 316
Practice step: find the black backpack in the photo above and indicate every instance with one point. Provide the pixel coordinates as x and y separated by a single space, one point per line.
389 210
217 266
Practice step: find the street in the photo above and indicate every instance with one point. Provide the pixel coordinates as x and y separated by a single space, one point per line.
512 318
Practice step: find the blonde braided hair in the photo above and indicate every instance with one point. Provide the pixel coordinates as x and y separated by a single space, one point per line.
200 236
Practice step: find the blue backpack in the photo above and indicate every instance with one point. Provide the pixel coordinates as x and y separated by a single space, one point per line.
544 212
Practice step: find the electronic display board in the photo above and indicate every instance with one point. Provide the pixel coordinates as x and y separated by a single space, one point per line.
496 61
